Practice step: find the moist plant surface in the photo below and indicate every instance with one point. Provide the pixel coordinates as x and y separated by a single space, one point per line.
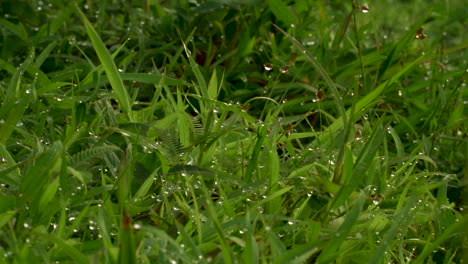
233 131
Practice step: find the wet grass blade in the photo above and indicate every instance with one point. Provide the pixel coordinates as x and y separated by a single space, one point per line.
319 68
37 176
370 100
402 44
110 68
331 250
431 246
402 218
16 111
71 251
361 166
196 70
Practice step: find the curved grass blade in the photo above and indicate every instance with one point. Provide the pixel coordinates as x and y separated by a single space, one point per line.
336 95
364 104
110 68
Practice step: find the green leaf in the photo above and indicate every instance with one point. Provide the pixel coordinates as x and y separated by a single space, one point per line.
18 29
213 87
145 187
6 216
299 253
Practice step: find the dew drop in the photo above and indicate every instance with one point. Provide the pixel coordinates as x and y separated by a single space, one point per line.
364 9
268 66
284 69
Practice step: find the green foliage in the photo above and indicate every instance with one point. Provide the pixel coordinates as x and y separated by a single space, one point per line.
233 131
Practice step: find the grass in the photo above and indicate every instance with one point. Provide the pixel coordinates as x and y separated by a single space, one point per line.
262 132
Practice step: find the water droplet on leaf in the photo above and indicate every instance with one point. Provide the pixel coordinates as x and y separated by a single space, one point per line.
268 66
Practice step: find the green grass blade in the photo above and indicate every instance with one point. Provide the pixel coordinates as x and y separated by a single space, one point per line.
127 252
145 187
11 175
226 250
6 216
251 253
253 162
299 254
273 178
361 166
331 250
18 29
402 44
15 114
14 89
428 250
402 218
74 253
38 175
190 242
196 70
319 68
44 54
110 68
370 100
213 87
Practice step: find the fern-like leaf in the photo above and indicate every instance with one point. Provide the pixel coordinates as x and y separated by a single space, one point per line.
91 153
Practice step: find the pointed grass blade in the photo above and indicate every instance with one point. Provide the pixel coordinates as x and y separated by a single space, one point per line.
196 70
110 68
368 101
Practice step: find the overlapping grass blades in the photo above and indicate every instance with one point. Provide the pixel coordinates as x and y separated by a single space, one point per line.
203 167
